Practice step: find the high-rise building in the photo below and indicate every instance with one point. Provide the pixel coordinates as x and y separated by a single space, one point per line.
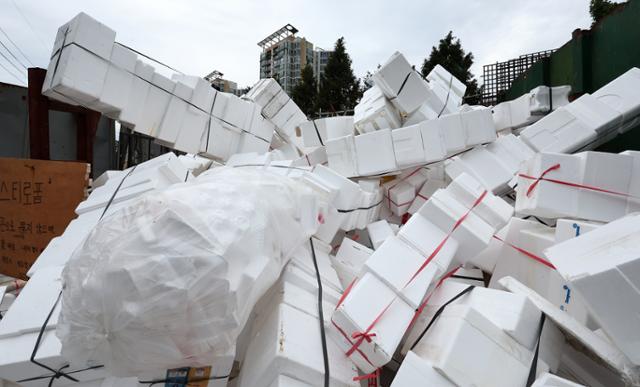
284 55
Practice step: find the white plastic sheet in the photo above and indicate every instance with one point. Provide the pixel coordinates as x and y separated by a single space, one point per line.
171 279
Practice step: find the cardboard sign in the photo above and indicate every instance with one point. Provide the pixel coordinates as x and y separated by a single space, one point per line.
37 202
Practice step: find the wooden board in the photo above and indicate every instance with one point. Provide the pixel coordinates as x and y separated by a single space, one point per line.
37 202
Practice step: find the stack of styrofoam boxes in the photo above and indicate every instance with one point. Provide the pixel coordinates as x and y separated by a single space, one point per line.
80 62
155 174
379 232
278 108
602 171
621 95
604 267
386 276
316 132
530 107
494 165
401 84
591 119
20 327
354 204
400 192
444 97
436 179
534 237
384 150
375 112
284 340
349 260
506 325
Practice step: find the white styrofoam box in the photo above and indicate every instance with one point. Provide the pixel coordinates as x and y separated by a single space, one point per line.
416 371
511 152
88 33
316 156
395 263
171 124
473 234
233 110
341 155
260 126
559 131
421 234
440 75
296 275
594 113
633 204
193 130
102 179
288 343
159 172
478 126
29 311
223 139
570 228
347 197
349 260
379 231
442 100
459 328
366 301
502 116
452 132
547 199
251 143
487 259
412 94
424 112
303 258
118 82
520 111
286 381
492 209
428 189
155 105
549 380
534 238
392 74
603 265
621 94
408 146
473 277
316 132
607 171
399 197
483 166
131 113
76 74
374 152
376 114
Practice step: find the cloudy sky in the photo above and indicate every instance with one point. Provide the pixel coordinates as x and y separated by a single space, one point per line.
197 36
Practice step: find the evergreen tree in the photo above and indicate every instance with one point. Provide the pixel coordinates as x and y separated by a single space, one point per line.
367 80
600 8
339 88
305 92
450 55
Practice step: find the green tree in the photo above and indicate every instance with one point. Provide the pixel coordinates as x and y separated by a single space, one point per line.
304 94
339 87
600 8
450 55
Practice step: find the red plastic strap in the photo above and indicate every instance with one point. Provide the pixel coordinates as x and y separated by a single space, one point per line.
366 336
346 292
418 195
363 335
372 376
527 253
398 182
344 334
569 184
537 179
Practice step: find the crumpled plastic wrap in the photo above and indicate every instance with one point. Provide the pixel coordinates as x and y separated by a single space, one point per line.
171 279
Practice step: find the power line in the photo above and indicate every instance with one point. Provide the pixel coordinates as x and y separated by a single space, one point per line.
16 46
12 74
14 57
29 24
11 63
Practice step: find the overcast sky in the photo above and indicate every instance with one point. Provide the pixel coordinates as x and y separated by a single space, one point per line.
197 36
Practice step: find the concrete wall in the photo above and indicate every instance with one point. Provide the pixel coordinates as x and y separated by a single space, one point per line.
14 132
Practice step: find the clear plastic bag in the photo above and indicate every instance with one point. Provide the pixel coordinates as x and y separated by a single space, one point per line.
171 279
